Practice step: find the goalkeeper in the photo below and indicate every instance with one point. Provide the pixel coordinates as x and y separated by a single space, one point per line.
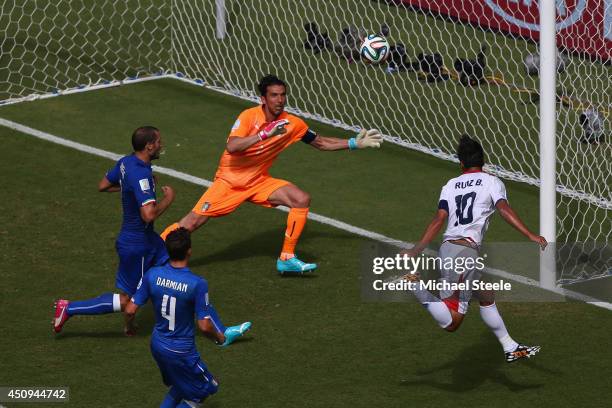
258 136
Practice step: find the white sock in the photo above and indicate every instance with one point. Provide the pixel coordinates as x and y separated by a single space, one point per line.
491 317
440 313
116 302
436 307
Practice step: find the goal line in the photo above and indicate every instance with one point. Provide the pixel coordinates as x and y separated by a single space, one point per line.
499 171
313 216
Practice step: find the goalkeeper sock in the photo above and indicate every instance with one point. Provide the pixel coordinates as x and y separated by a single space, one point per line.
491 317
296 220
169 229
103 304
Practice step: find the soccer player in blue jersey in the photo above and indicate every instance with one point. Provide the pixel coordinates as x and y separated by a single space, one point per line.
178 295
138 245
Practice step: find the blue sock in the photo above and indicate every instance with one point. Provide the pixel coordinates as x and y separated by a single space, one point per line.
106 303
216 319
171 400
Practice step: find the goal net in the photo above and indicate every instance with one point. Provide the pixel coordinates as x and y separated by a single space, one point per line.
50 46
455 67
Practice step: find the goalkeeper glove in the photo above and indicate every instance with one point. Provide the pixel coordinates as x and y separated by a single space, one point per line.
366 138
273 129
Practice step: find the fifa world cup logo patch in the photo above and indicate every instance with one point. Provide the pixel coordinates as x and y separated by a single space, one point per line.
206 206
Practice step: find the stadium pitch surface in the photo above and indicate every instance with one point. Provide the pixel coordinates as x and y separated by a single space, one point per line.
314 342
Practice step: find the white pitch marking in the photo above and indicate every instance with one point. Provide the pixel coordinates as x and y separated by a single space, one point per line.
313 216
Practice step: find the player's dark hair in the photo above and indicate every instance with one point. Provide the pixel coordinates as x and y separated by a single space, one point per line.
143 136
178 243
470 152
267 81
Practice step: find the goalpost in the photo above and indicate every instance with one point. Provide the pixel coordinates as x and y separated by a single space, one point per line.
548 142
537 96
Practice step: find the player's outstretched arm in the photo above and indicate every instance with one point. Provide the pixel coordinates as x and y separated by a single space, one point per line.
209 330
105 186
430 233
365 138
237 144
329 143
513 219
150 212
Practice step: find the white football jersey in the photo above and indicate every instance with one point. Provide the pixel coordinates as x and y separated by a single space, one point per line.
470 201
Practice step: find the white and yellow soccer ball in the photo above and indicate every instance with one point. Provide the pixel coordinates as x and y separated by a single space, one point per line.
374 49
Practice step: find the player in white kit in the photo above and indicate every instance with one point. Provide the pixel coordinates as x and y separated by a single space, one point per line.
468 201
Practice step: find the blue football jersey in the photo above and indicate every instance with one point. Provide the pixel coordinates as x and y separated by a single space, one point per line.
177 296
137 190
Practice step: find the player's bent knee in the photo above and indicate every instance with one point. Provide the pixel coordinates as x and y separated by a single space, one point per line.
124 300
188 222
193 221
301 200
455 323
452 328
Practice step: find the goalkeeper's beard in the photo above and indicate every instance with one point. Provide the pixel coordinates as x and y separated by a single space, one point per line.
276 111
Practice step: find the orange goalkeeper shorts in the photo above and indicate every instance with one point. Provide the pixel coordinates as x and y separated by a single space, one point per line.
221 198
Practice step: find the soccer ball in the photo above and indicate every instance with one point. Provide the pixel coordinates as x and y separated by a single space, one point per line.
374 49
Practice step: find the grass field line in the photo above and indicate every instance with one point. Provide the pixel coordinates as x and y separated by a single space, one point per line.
313 216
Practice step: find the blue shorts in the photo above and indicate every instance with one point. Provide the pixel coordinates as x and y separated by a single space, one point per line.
186 373
135 260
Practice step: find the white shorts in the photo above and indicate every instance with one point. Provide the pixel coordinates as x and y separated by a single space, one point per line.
457 300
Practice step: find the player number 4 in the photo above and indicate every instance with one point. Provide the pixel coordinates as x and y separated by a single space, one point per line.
168 312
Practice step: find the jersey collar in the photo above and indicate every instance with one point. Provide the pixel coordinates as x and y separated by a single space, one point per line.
140 162
472 171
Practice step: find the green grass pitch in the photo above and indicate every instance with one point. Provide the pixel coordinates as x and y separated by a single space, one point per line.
314 343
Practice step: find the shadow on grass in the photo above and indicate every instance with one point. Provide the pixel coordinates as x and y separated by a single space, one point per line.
145 320
265 243
476 365
241 340
97 334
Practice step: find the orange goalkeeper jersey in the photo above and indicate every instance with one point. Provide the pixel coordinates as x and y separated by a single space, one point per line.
245 169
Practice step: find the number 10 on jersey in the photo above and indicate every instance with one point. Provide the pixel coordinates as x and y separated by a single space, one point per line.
465 207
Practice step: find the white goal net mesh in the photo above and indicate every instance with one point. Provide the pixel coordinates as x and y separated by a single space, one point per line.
456 67
50 46
437 86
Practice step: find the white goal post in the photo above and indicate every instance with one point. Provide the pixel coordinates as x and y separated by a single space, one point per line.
548 141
